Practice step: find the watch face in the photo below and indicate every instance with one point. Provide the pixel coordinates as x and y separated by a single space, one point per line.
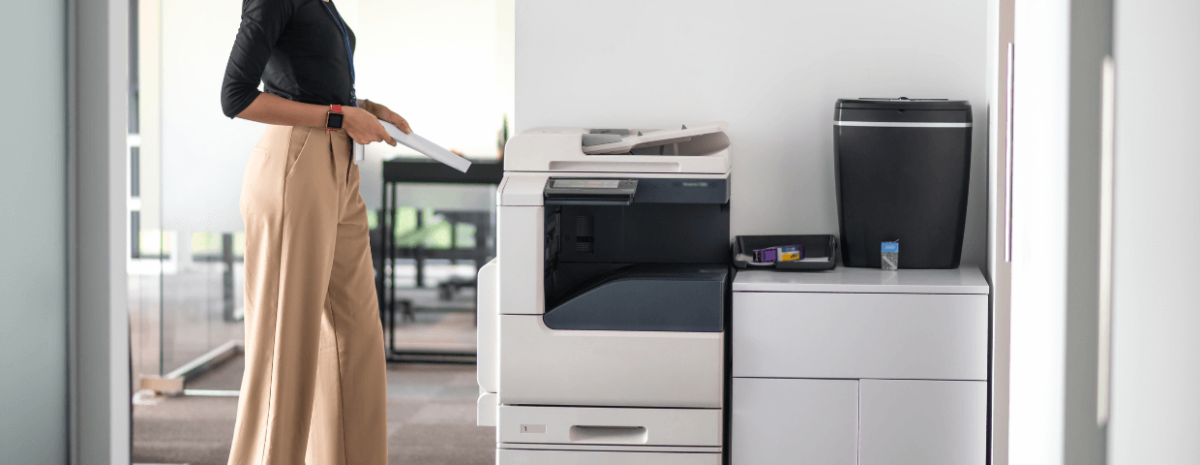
335 120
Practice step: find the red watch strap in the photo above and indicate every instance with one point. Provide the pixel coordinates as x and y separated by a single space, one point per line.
333 108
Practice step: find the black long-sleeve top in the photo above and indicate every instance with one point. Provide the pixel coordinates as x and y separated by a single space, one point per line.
296 48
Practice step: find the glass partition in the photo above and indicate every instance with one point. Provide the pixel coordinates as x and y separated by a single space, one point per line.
447 68
439 64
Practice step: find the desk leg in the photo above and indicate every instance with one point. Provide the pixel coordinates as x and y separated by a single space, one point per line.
227 278
418 254
453 240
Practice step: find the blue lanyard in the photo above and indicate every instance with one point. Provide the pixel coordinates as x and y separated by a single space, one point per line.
349 53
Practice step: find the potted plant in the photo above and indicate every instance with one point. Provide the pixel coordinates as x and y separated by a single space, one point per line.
502 136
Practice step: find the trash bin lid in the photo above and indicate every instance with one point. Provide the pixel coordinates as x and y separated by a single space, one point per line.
903 109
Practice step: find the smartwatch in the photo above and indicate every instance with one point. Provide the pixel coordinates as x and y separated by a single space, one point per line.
333 118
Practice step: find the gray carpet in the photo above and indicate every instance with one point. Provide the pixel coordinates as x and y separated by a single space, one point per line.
431 420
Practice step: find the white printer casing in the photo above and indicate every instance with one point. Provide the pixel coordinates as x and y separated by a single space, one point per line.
593 396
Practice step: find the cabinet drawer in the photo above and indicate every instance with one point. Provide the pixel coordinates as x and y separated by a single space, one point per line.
794 421
852 336
922 422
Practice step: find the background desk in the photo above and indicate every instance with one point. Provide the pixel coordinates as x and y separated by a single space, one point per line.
860 366
421 171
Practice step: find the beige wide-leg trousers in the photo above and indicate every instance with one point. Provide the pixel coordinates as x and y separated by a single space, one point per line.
314 391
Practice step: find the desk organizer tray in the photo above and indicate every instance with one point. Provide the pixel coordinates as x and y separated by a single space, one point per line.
815 246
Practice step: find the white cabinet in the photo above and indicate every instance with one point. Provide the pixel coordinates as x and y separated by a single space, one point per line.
794 421
883 336
905 422
860 366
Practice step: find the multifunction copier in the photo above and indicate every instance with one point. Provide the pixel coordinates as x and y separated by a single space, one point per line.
602 319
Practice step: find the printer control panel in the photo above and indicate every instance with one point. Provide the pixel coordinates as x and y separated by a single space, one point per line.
590 191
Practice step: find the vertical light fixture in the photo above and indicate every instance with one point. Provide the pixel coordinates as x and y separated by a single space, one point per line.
1103 343
1008 160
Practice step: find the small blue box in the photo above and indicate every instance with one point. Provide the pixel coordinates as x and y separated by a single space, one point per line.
889 255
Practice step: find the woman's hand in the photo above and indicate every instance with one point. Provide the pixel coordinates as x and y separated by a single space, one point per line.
364 127
384 113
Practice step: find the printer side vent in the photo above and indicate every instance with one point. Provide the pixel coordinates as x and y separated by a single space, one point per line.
584 234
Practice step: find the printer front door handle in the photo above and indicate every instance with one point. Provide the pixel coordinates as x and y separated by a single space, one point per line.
609 434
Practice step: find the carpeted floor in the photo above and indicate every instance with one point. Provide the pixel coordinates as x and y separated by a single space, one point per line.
431 420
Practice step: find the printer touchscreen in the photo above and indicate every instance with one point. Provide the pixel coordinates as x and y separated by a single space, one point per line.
584 191
586 183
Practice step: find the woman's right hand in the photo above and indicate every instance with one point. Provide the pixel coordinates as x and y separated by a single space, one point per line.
364 127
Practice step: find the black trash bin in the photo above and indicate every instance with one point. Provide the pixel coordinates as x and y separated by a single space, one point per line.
902 173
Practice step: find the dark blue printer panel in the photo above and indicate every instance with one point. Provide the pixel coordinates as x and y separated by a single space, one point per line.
648 298
646 254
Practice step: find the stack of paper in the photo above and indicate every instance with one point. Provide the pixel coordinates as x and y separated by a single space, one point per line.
422 146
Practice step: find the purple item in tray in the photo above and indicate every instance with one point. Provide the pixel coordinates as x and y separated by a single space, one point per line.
782 253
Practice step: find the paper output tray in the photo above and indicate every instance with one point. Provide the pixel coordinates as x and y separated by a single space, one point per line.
647 298
645 139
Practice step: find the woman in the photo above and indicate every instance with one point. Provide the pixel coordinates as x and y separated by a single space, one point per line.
314 390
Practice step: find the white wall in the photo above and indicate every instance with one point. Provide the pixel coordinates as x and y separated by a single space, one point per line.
771 69
1038 305
33 188
203 152
435 64
1156 311
432 62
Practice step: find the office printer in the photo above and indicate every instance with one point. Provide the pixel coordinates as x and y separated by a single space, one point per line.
602 318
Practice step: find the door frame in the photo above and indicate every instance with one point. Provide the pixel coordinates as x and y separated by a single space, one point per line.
99 398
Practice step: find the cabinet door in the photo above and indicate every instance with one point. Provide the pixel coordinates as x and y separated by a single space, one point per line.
922 422
794 422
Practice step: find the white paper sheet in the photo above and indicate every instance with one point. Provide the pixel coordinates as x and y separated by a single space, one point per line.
421 145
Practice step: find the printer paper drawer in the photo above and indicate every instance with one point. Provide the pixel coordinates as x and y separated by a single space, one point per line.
579 457
543 366
854 336
609 426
